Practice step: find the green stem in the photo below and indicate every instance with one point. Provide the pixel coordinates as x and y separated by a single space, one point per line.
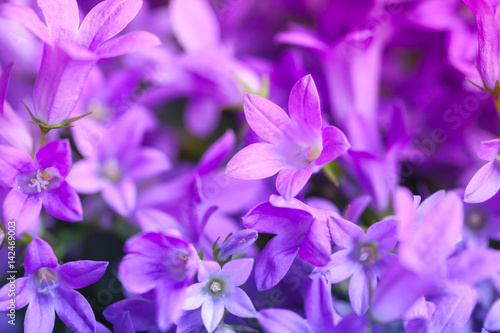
42 136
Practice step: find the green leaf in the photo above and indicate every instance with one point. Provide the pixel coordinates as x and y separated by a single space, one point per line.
67 122
201 253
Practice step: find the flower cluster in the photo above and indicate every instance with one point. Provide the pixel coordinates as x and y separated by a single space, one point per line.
250 166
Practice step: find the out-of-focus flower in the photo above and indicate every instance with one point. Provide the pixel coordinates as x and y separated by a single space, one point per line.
131 315
295 144
38 181
72 48
168 264
486 182
218 289
48 287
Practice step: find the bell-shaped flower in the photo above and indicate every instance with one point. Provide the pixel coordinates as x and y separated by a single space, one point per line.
295 144
218 289
47 288
36 182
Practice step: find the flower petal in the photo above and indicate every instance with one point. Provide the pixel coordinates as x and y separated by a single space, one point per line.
194 297
342 232
84 177
142 313
265 118
492 320
106 20
282 320
141 280
74 310
484 184
341 266
63 203
121 197
206 269
79 274
28 18
217 153
240 304
290 182
256 161
24 293
238 270
318 305
194 24
385 233
334 144
304 106
359 292
199 108
131 42
316 247
169 299
24 210
212 313
275 261
489 150
55 154
40 315
146 163
472 266
62 18
12 162
39 254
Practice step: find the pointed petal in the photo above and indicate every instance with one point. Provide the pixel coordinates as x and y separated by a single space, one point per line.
290 182
334 144
12 162
343 232
212 313
318 305
121 197
74 310
194 24
138 281
489 150
63 203
28 18
356 207
84 177
4 83
282 320
265 118
131 42
257 161
142 313
55 154
341 266
62 18
124 324
276 220
40 315
240 304
216 153
79 274
169 300
405 210
316 247
206 269
39 254
24 210
472 266
484 184
385 233
492 320
359 292
194 297
275 261
24 293
239 270
106 20
148 162
304 106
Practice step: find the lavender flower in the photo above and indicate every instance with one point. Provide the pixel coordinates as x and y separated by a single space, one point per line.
38 181
217 289
168 264
295 145
48 287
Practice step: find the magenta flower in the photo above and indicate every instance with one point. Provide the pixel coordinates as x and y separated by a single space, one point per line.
295 144
217 290
38 181
167 266
486 182
72 48
48 287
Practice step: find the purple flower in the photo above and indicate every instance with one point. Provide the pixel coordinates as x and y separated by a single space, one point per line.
118 163
167 266
72 47
486 182
48 287
217 290
38 181
295 144
139 314
363 257
237 243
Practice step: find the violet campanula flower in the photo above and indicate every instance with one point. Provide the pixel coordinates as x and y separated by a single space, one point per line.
295 144
72 48
218 289
237 243
38 181
168 265
486 182
363 257
118 163
47 288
